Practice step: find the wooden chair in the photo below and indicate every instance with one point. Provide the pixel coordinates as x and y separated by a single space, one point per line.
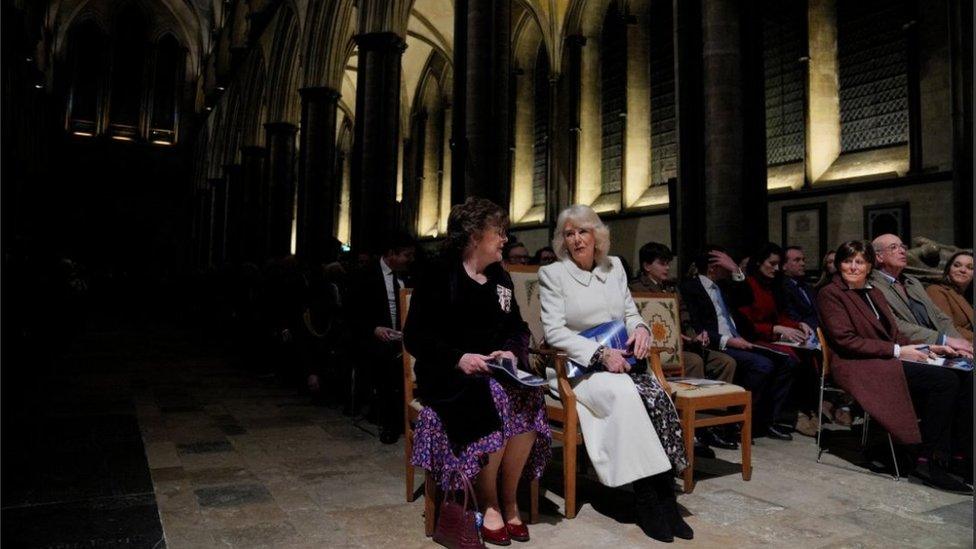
411 413
563 420
827 356
661 312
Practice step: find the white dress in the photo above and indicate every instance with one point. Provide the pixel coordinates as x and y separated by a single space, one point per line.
619 436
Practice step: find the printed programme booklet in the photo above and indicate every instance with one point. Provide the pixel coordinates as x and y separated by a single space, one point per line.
504 368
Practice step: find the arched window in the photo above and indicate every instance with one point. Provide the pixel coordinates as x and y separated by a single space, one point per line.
129 55
167 80
873 75
87 47
540 127
784 45
613 98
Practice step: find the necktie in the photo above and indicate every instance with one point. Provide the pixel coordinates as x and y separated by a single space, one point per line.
725 311
803 292
396 300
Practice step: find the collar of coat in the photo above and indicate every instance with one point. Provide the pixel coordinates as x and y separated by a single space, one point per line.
601 271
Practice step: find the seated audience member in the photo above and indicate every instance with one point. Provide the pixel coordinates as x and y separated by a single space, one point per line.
461 315
918 317
827 270
515 253
544 256
800 298
376 319
765 321
629 423
718 289
654 276
867 344
954 293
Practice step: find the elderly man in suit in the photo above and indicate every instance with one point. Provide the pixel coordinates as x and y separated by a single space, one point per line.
376 318
710 298
918 318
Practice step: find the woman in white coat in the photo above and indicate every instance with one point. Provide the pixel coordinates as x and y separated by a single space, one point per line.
629 423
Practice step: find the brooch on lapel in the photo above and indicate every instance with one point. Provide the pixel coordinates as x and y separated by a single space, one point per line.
504 298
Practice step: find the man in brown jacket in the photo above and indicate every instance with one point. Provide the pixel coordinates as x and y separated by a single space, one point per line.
918 318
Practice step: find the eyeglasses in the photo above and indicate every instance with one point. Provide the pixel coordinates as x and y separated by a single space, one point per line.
893 247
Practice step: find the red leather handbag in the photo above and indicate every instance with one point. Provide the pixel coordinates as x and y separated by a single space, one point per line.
457 526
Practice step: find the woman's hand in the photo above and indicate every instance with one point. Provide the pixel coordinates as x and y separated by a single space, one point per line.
640 339
789 334
807 330
912 353
614 360
504 354
473 363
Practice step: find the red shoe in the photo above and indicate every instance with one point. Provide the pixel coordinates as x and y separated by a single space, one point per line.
496 537
518 532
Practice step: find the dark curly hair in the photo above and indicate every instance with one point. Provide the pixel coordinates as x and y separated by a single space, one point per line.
469 219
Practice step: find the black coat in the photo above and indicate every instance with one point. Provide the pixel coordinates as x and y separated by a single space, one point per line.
451 315
701 311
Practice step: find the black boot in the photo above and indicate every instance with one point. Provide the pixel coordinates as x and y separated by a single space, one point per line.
651 512
664 485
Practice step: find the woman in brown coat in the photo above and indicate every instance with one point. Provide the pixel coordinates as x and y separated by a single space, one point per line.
882 369
954 295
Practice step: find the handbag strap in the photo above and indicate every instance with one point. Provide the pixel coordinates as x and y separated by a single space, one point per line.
467 489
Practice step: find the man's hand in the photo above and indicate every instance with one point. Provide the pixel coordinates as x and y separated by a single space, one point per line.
387 335
703 339
739 343
473 363
722 259
944 350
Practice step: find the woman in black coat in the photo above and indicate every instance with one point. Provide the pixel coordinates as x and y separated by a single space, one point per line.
462 314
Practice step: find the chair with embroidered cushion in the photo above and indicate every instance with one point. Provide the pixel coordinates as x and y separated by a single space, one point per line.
560 408
661 312
411 414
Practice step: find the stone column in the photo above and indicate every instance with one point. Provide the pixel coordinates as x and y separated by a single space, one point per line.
217 252
233 235
255 203
735 203
566 130
374 154
280 187
318 190
487 76
687 206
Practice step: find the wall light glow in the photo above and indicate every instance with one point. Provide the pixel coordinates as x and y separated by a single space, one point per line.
83 134
121 138
159 142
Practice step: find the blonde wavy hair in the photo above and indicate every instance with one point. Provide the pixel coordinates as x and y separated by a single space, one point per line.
585 218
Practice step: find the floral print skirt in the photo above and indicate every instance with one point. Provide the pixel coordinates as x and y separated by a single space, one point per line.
664 417
520 409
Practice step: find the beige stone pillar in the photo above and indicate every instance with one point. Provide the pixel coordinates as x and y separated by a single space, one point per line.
521 201
637 136
590 139
445 208
823 105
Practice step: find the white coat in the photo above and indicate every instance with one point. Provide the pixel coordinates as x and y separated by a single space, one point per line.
619 436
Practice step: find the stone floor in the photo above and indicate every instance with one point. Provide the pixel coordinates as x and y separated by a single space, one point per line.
237 460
